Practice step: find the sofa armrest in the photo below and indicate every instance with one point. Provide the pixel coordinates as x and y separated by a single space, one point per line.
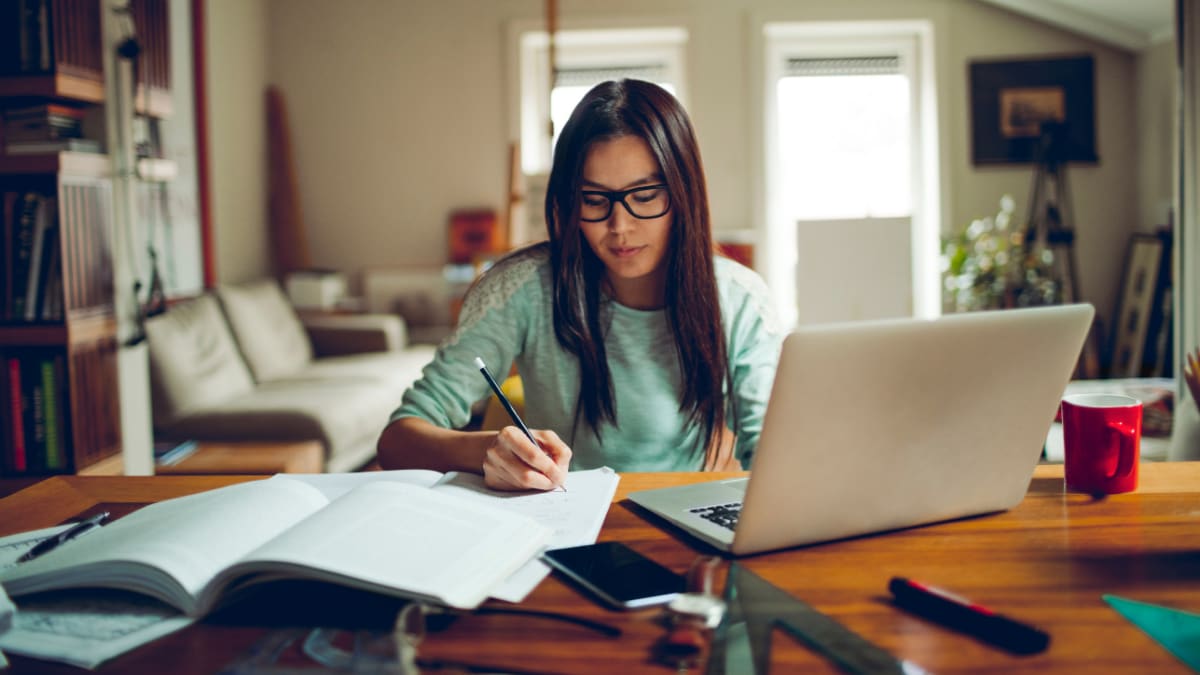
339 334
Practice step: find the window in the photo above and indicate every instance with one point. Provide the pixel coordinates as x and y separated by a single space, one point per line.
570 84
585 58
851 167
844 137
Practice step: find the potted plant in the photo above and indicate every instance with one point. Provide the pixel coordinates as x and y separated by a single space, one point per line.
997 263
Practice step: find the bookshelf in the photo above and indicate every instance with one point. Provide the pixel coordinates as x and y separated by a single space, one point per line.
59 396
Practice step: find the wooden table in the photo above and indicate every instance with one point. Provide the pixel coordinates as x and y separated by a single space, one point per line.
1047 561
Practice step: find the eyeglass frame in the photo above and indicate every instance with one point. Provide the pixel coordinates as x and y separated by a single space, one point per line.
615 196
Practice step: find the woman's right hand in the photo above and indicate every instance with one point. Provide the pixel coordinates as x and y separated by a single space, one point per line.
511 462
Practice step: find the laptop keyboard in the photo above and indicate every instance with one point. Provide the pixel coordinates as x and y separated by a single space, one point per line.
725 515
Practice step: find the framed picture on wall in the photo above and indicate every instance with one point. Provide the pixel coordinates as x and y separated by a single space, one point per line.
1141 288
1011 101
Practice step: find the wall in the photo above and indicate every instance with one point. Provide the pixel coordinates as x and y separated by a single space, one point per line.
399 114
1102 194
1156 100
236 80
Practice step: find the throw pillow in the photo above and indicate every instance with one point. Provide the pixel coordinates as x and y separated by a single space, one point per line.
193 359
267 329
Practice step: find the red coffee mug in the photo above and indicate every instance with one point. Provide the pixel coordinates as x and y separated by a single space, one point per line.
1102 438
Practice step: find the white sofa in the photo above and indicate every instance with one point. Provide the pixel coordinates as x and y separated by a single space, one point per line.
239 364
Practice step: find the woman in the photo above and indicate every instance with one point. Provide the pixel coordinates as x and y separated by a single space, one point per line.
634 343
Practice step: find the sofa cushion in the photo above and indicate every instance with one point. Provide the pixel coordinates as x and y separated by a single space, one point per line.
340 334
269 333
346 415
391 371
193 359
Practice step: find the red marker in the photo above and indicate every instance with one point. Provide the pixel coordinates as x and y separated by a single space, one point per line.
965 616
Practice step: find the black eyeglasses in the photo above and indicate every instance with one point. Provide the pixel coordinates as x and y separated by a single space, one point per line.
648 201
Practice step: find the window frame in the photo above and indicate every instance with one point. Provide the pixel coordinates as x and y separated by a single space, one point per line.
591 45
780 38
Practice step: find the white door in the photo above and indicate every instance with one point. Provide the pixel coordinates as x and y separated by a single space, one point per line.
846 176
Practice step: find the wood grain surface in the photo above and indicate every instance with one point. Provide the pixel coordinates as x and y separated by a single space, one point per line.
1046 562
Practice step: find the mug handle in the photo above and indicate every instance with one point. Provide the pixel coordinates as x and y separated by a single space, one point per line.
1128 451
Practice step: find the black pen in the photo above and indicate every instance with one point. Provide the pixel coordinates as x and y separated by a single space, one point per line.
49 544
512 412
963 615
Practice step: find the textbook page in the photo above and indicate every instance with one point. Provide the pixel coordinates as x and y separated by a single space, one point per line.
86 627
334 485
14 546
171 549
7 610
81 627
398 539
575 515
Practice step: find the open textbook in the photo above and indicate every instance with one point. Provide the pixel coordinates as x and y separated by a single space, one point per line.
575 514
405 539
93 626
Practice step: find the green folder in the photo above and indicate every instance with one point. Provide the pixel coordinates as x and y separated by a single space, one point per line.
1176 630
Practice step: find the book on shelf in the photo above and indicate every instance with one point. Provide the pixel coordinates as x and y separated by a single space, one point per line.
42 123
35 414
30 25
8 246
406 539
48 147
36 439
51 379
44 237
26 36
55 301
49 296
30 132
31 288
15 460
23 223
44 111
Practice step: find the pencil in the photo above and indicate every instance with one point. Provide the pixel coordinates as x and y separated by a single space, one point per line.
512 412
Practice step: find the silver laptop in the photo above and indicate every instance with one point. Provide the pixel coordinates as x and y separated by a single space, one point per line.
880 425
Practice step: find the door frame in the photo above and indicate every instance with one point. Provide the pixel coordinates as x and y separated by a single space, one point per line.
912 40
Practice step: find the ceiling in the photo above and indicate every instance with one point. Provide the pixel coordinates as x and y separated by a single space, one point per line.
1130 24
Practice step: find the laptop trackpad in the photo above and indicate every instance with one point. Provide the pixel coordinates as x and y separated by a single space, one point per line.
738 484
719 492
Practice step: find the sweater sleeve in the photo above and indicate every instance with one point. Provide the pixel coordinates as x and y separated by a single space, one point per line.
492 325
755 336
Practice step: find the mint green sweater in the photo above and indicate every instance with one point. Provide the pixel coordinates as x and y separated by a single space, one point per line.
507 318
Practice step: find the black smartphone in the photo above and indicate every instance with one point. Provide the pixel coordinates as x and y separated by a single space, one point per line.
617 574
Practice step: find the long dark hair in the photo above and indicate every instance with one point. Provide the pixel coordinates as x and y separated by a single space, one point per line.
634 108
